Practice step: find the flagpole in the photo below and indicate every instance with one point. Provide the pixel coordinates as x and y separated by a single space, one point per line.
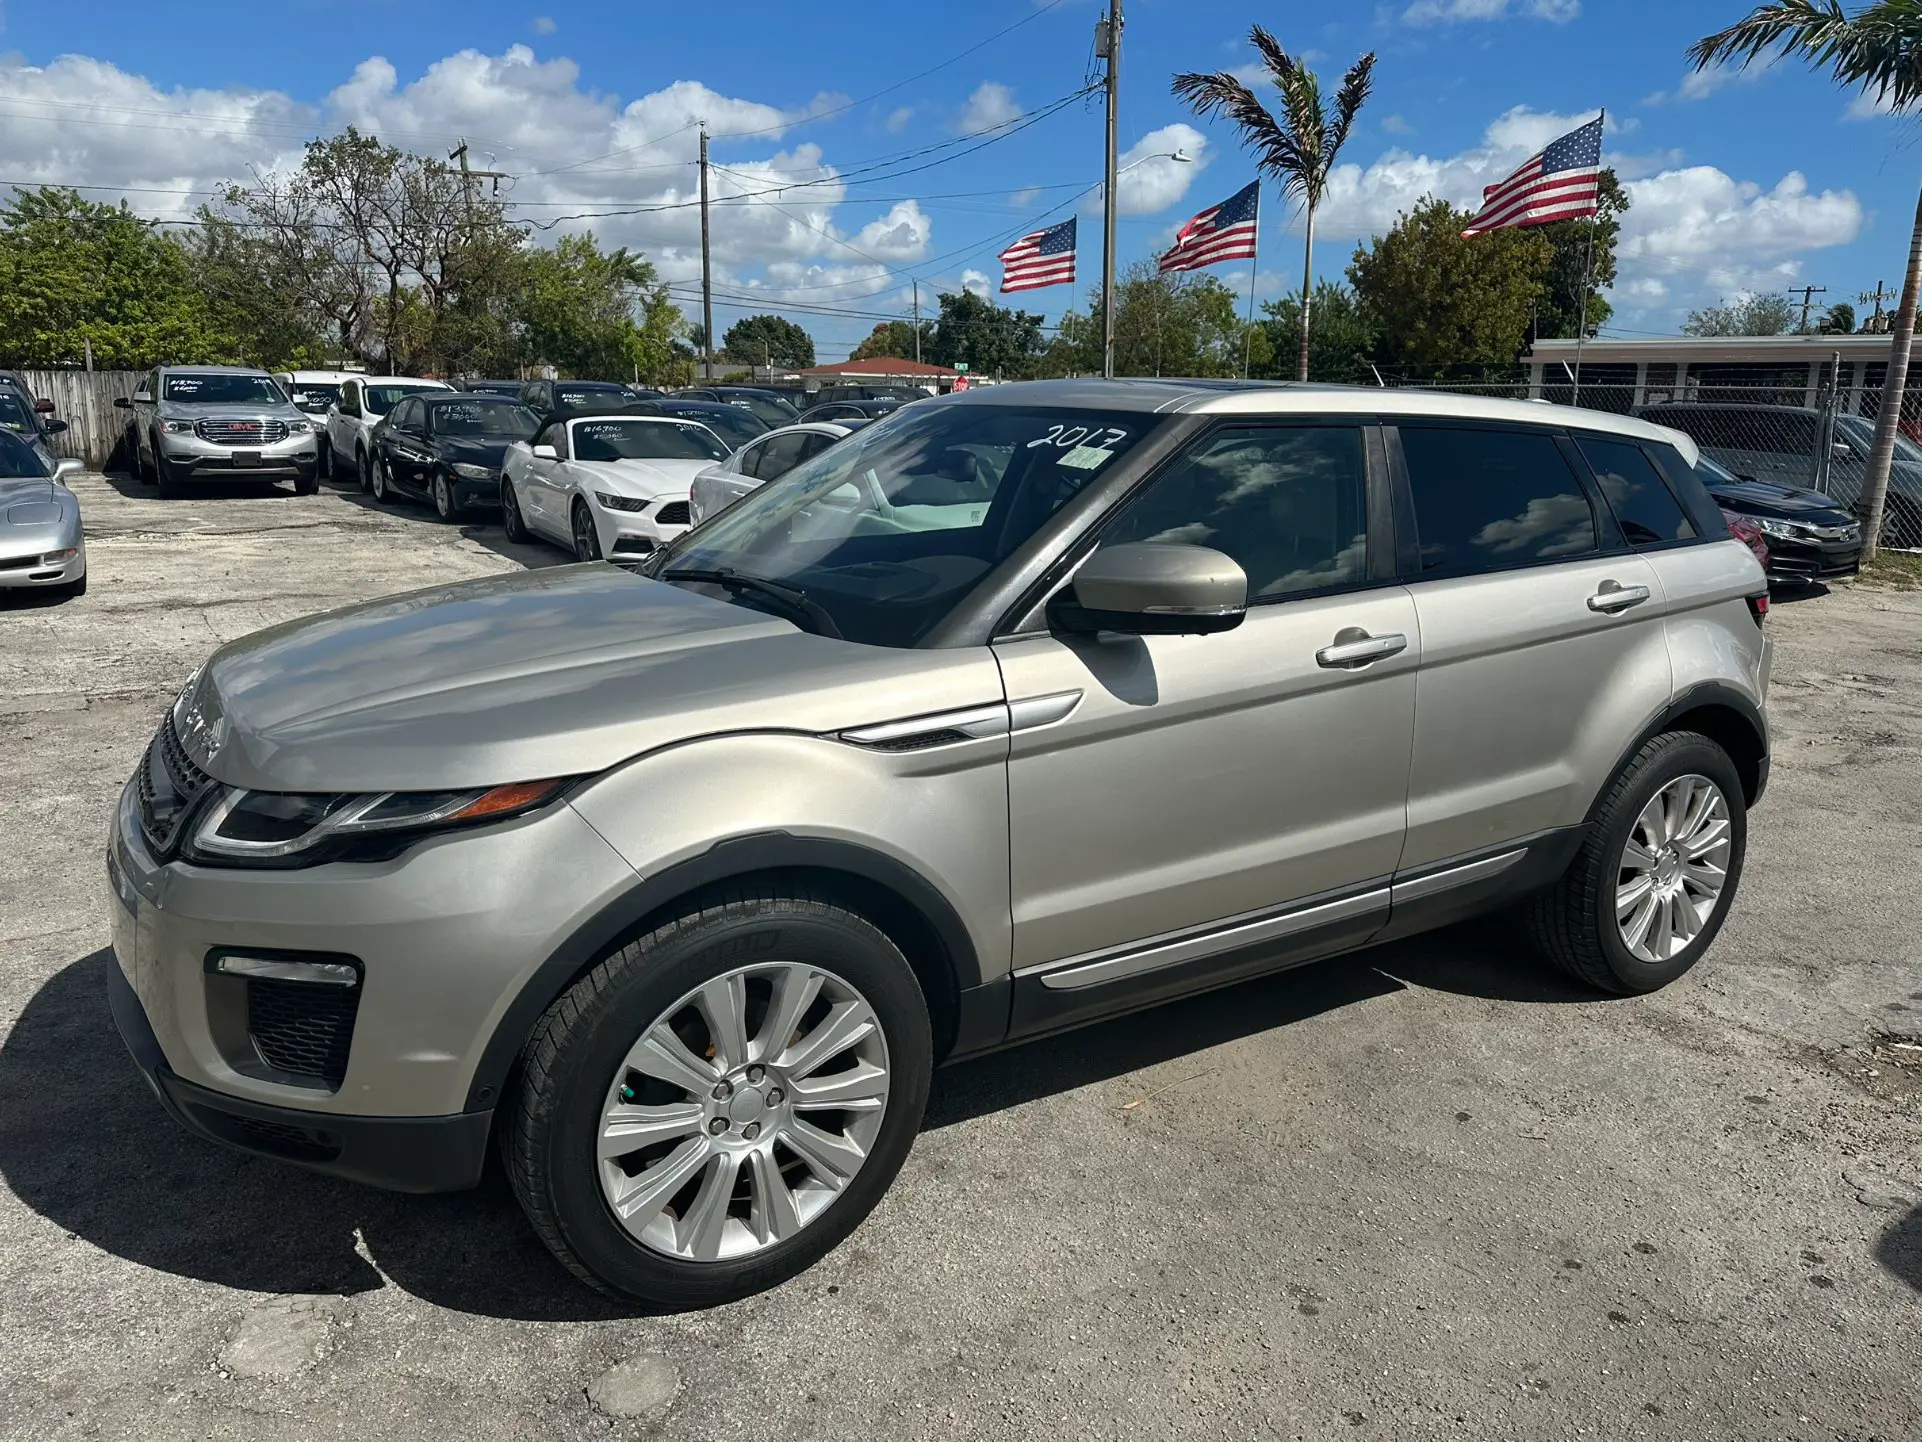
1588 259
1254 269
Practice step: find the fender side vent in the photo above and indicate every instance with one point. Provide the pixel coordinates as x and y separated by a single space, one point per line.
920 741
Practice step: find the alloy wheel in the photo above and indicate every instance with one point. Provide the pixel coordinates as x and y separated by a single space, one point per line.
1674 868
587 541
743 1112
443 498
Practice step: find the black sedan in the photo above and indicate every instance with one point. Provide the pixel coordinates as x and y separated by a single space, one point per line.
1810 536
446 447
735 425
844 412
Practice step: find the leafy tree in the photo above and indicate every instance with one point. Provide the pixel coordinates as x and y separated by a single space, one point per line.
1560 310
595 314
74 271
989 339
892 338
1876 49
1441 299
1838 319
1172 324
768 340
1344 338
1299 149
1760 314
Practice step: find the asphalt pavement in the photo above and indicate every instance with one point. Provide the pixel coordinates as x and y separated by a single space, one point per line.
1427 1191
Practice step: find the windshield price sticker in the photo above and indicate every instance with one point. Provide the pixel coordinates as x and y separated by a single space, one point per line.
1087 458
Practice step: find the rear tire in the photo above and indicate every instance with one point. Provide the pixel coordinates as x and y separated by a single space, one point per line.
1584 922
775 1216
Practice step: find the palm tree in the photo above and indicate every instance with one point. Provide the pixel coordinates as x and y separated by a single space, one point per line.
1880 49
1299 149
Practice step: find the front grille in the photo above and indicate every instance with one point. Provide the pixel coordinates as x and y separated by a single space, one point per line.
169 785
302 1029
20 563
242 433
674 513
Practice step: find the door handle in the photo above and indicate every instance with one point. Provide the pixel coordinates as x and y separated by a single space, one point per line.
1614 598
1355 647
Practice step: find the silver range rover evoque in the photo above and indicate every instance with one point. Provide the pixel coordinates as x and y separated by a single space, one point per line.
1012 711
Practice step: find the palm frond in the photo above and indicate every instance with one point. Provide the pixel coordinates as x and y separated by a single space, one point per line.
1355 86
1879 48
1221 93
1807 27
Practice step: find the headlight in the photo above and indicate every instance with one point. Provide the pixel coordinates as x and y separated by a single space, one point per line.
474 473
274 828
176 427
621 503
1786 530
298 428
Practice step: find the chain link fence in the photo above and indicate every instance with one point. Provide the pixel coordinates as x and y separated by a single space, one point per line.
1778 433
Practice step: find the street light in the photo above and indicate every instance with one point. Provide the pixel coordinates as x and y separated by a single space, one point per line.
1180 157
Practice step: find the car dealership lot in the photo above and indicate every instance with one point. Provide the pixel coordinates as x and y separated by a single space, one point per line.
1431 1190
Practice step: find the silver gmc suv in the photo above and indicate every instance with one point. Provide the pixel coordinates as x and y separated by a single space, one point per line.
200 423
1012 711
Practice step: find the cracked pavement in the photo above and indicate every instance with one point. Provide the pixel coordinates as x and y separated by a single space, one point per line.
1426 1191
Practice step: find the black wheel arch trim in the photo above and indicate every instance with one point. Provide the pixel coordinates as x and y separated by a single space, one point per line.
728 861
1705 694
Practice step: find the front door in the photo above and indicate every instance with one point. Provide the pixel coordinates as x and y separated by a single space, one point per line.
1207 800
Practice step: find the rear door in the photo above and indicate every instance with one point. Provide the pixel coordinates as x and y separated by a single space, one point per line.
1175 800
1543 650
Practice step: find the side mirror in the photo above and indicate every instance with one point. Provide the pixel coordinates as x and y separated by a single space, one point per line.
121 403
68 467
143 398
546 453
1842 450
52 428
43 406
1149 588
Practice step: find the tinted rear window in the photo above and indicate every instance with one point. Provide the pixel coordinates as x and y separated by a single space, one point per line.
1486 500
1642 502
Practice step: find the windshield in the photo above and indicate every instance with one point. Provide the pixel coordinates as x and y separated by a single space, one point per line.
889 529
1714 473
315 395
220 390
1861 434
772 409
18 459
574 397
732 424
625 440
379 400
501 419
17 416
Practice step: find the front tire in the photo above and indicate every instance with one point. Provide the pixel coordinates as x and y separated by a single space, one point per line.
718 1104
587 540
1653 882
512 521
166 477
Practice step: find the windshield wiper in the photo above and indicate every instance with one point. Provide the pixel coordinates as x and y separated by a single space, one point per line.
794 602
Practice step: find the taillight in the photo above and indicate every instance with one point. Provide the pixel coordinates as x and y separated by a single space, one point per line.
1758 606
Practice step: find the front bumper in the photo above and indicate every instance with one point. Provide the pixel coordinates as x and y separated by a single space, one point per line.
404 1154
1812 560
445 936
31 570
188 454
633 534
470 492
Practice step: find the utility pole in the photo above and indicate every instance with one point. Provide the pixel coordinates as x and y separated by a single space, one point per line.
1107 44
1874 325
1807 292
707 275
917 320
468 177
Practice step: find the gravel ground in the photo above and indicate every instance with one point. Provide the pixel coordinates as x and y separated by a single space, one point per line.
1428 1192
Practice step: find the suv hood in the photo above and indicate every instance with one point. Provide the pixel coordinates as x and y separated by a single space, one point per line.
559 672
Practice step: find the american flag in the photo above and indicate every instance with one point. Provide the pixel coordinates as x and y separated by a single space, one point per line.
1221 232
1561 183
1044 258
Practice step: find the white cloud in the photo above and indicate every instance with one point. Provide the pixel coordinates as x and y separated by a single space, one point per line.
898 119
1023 198
1147 180
1444 12
1700 84
544 25
977 282
1870 105
1395 125
990 107
901 234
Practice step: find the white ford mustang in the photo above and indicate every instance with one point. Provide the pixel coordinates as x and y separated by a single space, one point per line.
605 485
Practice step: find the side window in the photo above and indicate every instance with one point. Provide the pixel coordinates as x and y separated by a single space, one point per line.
350 399
750 463
406 417
1486 500
779 456
1289 504
812 444
1640 498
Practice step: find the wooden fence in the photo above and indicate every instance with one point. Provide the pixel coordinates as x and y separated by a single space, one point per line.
85 401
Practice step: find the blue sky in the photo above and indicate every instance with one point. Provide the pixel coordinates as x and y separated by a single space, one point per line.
1754 182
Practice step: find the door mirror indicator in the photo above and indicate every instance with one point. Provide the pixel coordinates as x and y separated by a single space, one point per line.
546 453
1150 588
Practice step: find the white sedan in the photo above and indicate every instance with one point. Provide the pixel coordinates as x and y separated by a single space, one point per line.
605 485
760 461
